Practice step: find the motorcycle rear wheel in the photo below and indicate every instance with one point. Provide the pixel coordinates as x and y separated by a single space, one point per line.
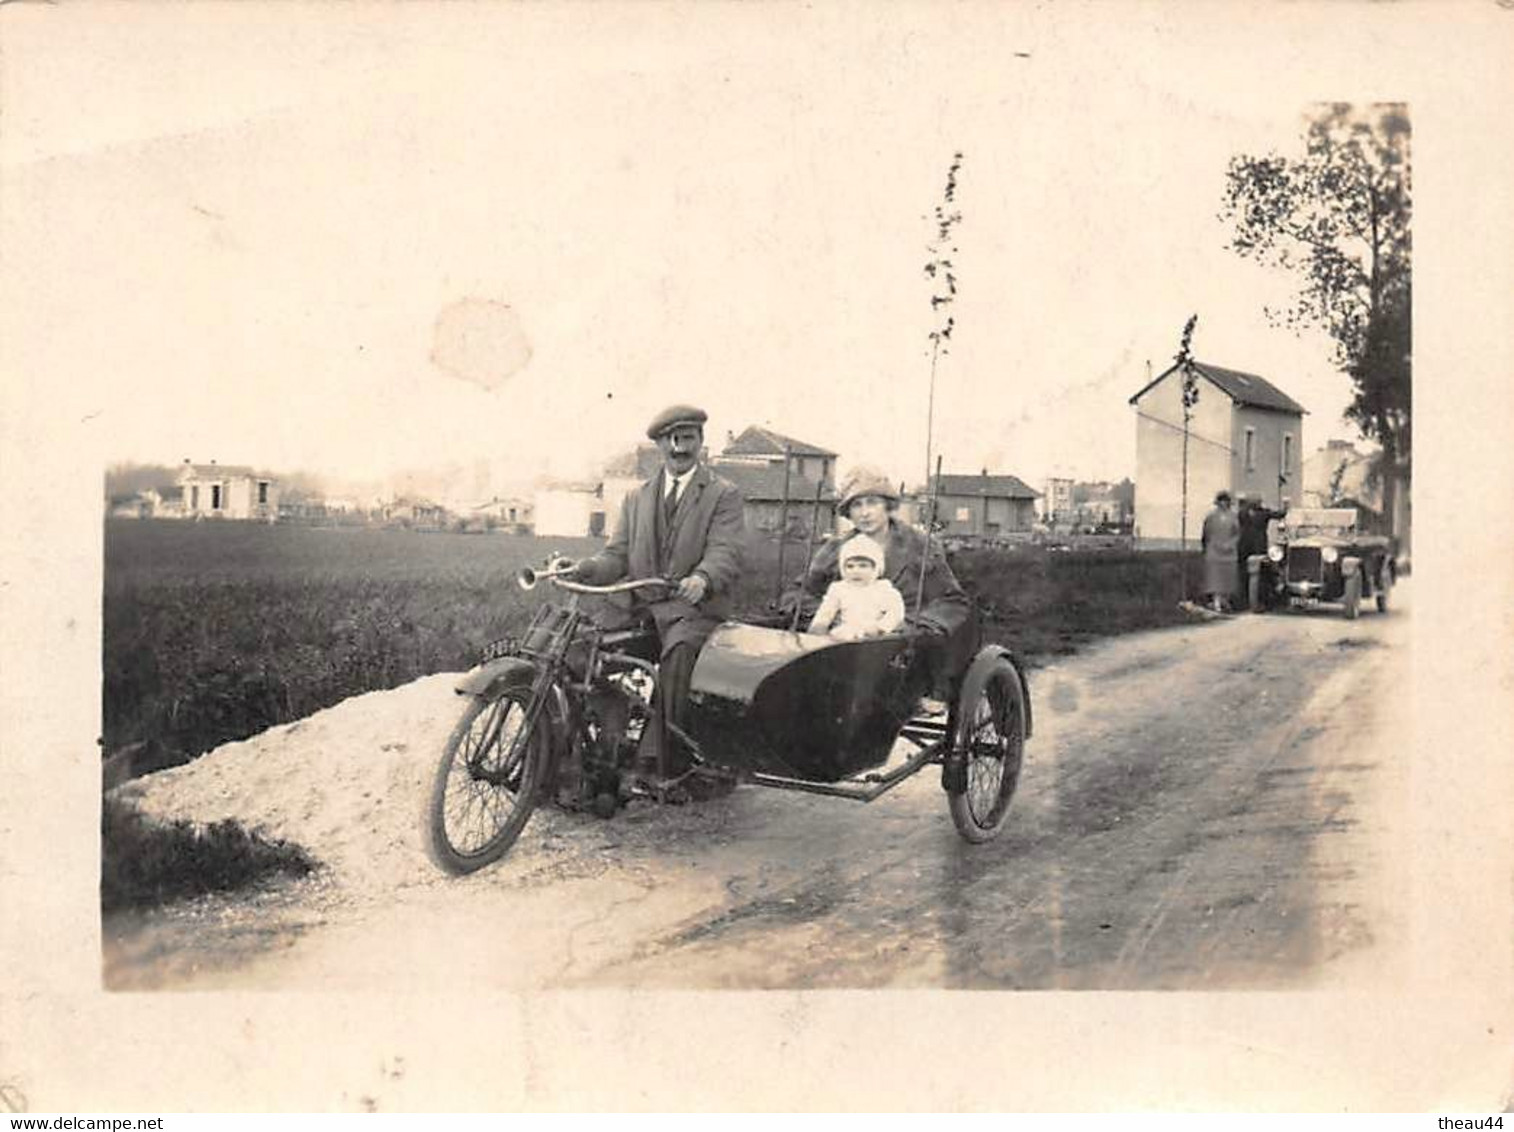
488 780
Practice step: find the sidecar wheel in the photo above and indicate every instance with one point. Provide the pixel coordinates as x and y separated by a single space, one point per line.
487 782
991 731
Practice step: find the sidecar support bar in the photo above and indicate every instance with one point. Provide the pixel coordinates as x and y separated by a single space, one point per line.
865 789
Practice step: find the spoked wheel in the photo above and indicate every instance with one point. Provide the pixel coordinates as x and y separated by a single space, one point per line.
486 784
992 732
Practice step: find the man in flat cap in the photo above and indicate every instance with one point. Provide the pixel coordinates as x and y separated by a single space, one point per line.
1255 518
688 525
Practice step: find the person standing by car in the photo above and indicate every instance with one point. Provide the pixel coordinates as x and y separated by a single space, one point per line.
1254 518
1221 540
688 525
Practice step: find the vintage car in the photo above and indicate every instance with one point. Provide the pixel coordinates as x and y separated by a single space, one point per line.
1317 555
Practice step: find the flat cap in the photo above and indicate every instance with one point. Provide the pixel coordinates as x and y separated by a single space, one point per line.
673 416
865 481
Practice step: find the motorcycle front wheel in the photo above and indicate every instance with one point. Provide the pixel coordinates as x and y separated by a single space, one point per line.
487 782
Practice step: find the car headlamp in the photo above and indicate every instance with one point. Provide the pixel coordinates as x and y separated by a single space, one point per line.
1329 554
1275 553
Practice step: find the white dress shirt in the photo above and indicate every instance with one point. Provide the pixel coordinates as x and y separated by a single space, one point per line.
681 482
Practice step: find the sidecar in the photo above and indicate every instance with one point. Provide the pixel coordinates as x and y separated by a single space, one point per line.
851 719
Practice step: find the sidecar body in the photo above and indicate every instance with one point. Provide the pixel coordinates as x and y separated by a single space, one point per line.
800 706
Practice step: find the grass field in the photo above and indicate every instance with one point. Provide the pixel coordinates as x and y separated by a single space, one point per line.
216 631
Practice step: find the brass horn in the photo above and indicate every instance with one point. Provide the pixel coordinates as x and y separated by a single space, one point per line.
526 578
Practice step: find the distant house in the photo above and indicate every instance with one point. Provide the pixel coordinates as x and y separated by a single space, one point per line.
764 447
1246 435
983 505
414 512
215 491
134 505
509 514
762 487
1056 501
623 475
1339 471
569 510
1101 503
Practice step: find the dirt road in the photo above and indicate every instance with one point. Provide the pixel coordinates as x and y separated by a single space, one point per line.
1202 808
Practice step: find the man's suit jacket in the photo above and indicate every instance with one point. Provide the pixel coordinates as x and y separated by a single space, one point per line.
707 536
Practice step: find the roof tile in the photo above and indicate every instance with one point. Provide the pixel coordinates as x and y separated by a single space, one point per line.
756 441
1241 387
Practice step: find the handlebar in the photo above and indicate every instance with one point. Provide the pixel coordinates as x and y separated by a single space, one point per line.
558 570
613 587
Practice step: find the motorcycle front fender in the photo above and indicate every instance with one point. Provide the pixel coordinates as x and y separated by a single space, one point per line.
487 678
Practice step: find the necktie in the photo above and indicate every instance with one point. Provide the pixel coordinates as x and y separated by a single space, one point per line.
670 504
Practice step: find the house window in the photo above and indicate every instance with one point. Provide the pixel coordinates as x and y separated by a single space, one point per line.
215 497
1251 449
262 491
964 514
1287 452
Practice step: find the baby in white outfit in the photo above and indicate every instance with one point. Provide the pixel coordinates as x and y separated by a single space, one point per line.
862 603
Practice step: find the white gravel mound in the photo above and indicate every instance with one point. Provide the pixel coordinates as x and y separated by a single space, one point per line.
348 783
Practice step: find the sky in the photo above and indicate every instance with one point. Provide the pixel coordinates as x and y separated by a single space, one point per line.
356 240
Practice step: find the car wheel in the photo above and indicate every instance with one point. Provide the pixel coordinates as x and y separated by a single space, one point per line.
1384 584
1353 597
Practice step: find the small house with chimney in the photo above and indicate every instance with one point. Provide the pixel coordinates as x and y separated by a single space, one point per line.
984 505
1245 435
758 446
227 491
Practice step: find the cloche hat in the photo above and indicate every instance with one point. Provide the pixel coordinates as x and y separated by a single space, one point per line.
865 481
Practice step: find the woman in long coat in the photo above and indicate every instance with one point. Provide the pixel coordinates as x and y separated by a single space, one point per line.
1221 541
937 611
870 501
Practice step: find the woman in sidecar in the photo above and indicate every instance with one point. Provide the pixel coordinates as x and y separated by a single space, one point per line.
936 609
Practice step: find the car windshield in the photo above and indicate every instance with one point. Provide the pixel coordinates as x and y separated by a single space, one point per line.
1320 520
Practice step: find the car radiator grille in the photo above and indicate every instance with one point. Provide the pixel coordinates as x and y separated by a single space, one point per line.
1304 564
